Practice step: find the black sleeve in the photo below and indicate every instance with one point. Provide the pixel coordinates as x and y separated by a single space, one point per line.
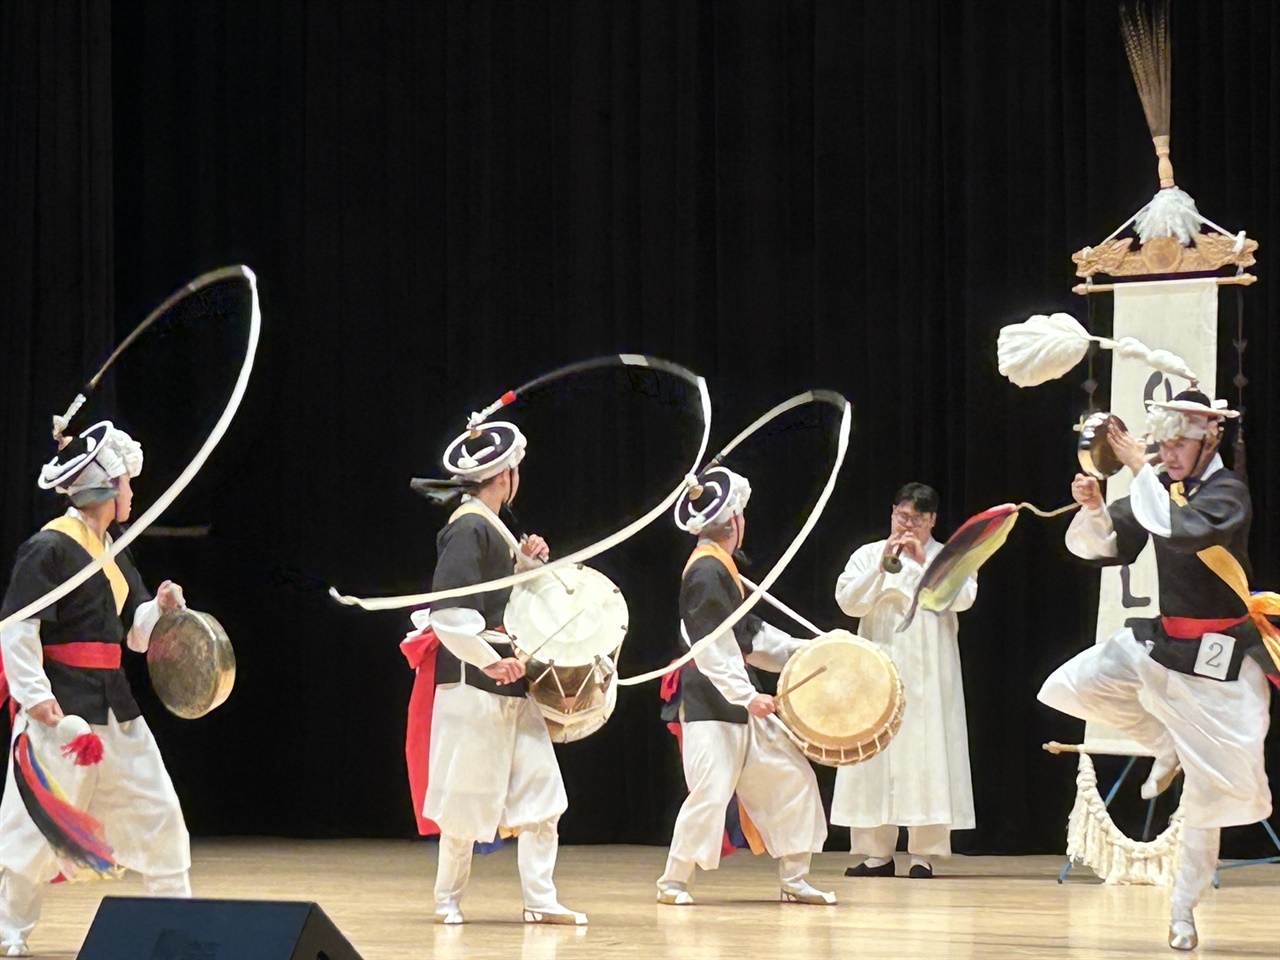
138 592
1131 536
460 548
41 565
746 629
707 596
1213 517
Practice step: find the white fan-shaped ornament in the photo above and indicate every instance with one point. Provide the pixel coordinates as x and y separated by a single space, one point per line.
1041 348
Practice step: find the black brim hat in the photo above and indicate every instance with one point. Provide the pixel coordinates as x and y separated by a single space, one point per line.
719 495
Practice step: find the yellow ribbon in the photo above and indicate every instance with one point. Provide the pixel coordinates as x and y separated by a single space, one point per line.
78 530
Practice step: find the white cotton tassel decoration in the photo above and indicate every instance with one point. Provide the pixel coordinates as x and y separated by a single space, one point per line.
1170 213
1094 840
1041 348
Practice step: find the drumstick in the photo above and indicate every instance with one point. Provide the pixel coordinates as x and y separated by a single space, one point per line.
785 609
800 683
530 655
559 579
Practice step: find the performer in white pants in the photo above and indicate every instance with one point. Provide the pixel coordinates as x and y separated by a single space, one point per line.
921 779
491 766
729 742
1188 686
65 660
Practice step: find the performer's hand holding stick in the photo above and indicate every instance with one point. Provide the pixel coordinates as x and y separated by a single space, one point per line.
1086 491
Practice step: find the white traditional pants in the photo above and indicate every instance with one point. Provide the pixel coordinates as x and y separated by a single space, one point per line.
493 766
129 792
1215 728
536 848
879 843
774 783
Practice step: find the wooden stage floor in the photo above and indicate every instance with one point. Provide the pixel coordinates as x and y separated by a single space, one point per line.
379 894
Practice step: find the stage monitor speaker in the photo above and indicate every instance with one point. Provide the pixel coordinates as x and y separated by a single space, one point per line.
157 928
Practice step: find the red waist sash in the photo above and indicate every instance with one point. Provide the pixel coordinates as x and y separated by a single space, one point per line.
90 654
96 656
1191 628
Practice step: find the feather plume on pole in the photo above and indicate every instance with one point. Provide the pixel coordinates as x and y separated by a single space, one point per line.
1145 30
1144 27
1044 348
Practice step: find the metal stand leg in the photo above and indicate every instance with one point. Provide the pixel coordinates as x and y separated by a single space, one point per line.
1252 863
1111 795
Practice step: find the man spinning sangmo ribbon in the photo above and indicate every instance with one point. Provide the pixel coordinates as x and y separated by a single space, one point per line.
728 741
491 763
65 660
1188 686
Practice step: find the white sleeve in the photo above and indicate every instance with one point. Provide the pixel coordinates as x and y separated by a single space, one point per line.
771 648
721 662
1150 502
24 663
1091 535
144 621
459 629
861 582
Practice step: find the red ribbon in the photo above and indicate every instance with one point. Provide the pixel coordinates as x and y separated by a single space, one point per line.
420 650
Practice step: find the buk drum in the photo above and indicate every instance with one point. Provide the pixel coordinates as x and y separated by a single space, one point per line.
852 706
191 663
569 625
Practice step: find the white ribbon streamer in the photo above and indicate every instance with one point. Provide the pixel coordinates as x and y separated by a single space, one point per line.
779 605
586 553
197 462
793 548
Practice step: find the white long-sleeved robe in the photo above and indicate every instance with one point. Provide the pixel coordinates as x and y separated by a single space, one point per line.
922 777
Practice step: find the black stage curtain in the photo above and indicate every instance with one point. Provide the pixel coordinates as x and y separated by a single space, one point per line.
57 279
443 199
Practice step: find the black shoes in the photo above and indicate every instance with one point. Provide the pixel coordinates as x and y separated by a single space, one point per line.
919 871
862 870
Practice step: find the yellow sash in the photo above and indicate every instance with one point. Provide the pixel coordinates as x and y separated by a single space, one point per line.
715 550
1260 605
79 531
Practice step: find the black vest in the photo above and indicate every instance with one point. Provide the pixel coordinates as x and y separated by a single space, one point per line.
87 613
471 550
708 594
1218 514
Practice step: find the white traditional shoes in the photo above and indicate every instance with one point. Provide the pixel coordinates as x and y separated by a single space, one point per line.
555 914
675 895
449 913
1162 773
802 891
1182 931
